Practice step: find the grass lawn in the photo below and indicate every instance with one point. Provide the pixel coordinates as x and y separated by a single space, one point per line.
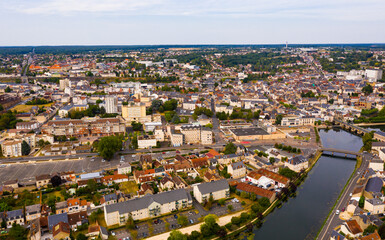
129 187
27 108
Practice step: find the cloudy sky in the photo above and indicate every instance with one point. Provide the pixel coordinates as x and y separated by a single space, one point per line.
142 22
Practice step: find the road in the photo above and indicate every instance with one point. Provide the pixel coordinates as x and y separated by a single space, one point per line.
334 220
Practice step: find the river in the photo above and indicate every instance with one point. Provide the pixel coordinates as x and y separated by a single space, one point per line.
301 217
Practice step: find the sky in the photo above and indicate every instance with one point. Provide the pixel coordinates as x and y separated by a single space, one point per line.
158 22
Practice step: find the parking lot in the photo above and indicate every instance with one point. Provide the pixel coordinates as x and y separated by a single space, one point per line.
27 171
159 225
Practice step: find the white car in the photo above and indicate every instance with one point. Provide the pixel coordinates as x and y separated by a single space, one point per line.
337 212
103 160
350 194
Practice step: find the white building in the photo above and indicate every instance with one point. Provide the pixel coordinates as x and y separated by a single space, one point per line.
373 74
111 104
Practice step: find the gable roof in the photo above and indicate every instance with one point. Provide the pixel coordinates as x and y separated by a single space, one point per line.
144 202
55 219
256 190
210 187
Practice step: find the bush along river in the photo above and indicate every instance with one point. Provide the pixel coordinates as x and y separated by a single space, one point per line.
302 216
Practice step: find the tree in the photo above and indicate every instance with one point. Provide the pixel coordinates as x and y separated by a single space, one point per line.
136 126
381 231
368 89
175 119
92 185
236 221
264 202
287 173
4 207
17 232
8 89
361 202
56 181
107 146
177 235
367 141
130 222
156 104
25 148
81 236
278 119
230 208
370 229
182 220
230 148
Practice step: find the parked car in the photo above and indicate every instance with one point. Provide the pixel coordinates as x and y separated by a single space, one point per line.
175 216
337 212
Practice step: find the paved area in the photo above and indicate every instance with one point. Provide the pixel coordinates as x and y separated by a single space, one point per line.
159 227
27 171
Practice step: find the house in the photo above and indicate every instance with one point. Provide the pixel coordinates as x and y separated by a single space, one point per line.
15 216
199 162
145 189
32 212
43 180
259 192
53 220
266 178
109 199
218 190
61 231
124 168
14 184
178 182
227 159
297 163
148 206
210 177
336 236
372 236
77 219
166 183
351 228
237 169
93 231
117 178
35 230
145 161
76 205
61 207
373 187
103 233
374 206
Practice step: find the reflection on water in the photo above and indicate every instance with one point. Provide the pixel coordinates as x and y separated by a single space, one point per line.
302 216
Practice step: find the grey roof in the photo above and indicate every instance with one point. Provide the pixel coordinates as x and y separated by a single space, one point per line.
15 214
110 197
249 131
55 219
104 231
33 208
215 186
298 159
374 185
238 165
144 202
375 201
337 235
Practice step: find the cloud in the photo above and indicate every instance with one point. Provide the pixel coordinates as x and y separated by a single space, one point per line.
348 10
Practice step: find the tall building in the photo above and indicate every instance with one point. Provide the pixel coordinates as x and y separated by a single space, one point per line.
63 83
111 104
134 112
373 74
